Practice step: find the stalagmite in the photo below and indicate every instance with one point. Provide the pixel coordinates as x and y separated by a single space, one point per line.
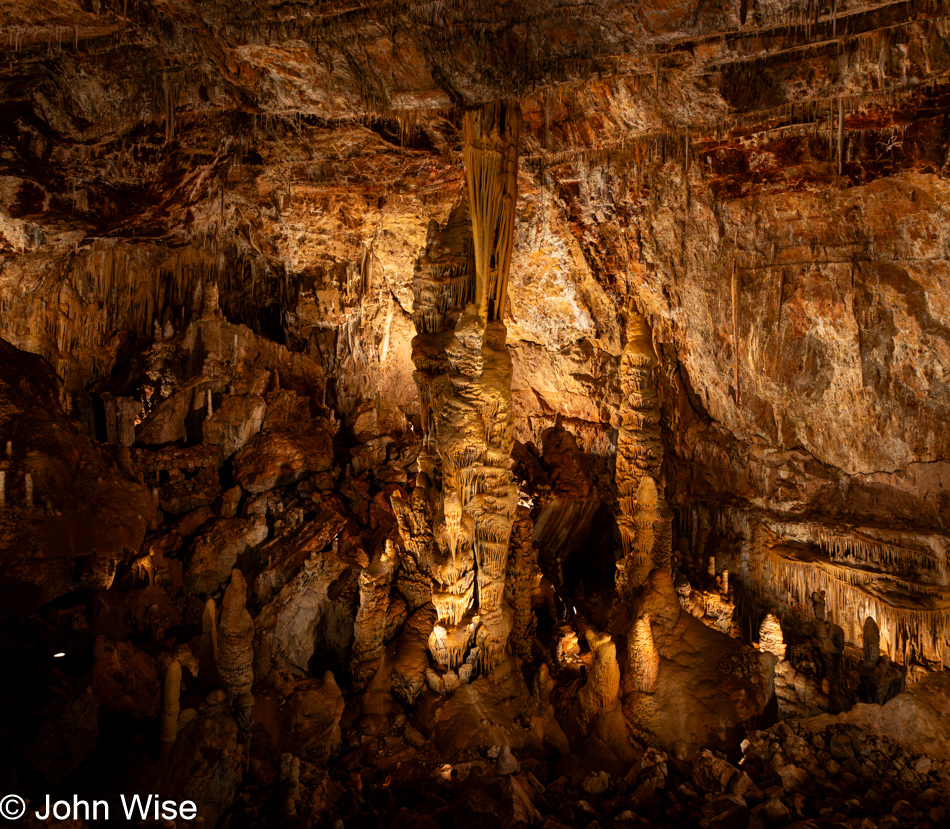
831 642
244 715
110 413
770 636
370 626
872 642
523 577
601 692
170 706
644 661
289 777
3 488
414 520
28 490
639 560
210 307
645 520
208 653
235 640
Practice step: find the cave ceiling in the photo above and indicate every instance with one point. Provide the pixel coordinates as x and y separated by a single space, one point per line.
766 181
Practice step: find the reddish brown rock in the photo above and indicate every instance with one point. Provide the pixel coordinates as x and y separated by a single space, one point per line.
272 459
216 551
302 716
69 514
125 679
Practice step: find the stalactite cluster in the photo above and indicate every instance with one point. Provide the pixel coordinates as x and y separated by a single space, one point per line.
908 629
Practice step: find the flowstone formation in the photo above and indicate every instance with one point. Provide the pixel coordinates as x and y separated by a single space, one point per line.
463 373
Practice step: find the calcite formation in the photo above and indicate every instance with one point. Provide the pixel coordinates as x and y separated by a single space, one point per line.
644 521
477 413
521 582
909 629
601 693
235 640
643 659
369 629
170 706
770 636
463 372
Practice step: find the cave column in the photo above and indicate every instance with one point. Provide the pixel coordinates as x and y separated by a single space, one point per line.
466 492
645 520
489 493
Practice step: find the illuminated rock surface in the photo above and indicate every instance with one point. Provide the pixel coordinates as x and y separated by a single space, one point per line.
473 414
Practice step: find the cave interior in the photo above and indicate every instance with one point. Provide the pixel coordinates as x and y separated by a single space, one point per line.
456 414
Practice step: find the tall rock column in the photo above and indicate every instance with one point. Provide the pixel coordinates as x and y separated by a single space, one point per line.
645 519
463 372
438 535
482 376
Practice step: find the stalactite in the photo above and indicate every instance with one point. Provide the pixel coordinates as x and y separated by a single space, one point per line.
735 327
491 170
840 135
857 547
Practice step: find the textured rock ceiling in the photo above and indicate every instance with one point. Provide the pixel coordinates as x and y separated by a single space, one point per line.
765 180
